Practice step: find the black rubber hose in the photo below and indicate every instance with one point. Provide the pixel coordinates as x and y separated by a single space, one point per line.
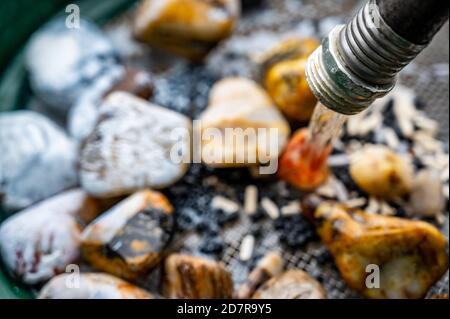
415 20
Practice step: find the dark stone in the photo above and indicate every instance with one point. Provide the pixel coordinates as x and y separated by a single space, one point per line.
151 226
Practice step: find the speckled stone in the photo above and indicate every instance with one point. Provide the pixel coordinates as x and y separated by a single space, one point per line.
131 147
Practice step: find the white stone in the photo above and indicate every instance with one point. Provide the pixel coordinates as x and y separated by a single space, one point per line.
293 208
65 61
251 200
239 103
225 204
356 202
134 145
83 115
37 159
427 198
270 208
91 286
382 173
40 241
246 248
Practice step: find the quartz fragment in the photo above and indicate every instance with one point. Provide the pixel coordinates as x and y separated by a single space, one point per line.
241 127
134 145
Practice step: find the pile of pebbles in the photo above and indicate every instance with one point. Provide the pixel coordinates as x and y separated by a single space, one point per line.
214 205
210 227
399 122
185 89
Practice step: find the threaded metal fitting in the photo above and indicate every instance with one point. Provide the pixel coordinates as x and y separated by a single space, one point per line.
358 62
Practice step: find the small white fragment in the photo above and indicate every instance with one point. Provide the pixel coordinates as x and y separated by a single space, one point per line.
438 162
353 124
364 123
427 142
270 208
386 209
370 123
291 209
380 105
341 191
391 138
374 206
117 246
338 160
356 202
225 204
354 146
246 249
406 126
327 190
251 200
426 124
404 109
446 191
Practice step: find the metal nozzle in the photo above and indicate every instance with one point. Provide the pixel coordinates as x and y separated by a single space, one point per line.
358 62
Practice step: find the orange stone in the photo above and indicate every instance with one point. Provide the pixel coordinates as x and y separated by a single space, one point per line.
302 165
